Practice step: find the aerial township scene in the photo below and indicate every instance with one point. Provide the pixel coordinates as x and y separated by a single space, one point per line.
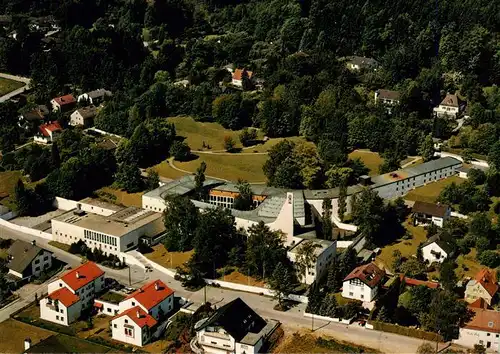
249 176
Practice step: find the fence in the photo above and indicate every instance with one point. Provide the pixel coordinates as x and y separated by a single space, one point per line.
25 230
329 319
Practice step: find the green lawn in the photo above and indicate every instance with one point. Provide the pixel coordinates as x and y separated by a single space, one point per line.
62 343
407 248
60 245
431 191
468 265
121 197
372 160
166 171
111 296
8 181
7 85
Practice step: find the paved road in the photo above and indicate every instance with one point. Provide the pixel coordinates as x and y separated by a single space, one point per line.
292 319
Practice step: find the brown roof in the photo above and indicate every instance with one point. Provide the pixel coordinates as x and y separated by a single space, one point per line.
388 94
64 100
450 100
88 112
416 282
479 304
238 74
488 280
430 208
369 274
49 127
484 320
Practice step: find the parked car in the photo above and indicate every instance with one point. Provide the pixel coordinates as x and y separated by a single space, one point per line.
129 290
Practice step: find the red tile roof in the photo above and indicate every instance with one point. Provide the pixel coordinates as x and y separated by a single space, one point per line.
64 296
488 280
49 127
450 100
144 318
479 304
484 320
82 275
64 100
369 274
416 282
151 294
238 74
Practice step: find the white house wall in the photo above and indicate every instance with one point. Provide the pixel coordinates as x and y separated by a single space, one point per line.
220 343
118 331
470 337
358 292
64 317
44 262
428 256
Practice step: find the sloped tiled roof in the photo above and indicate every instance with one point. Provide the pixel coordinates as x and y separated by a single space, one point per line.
64 296
82 275
23 253
388 94
450 100
488 280
144 319
238 74
151 294
438 210
369 274
484 320
445 246
64 100
49 127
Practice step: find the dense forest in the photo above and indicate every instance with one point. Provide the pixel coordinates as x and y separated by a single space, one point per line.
297 49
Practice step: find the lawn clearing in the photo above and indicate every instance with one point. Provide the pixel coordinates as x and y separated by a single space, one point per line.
7 85
8 181
165 170
430 192
468 265
12 334
123 197
62 343
61 246
239 278
371 159
407 248
168 259
229 166
308 343
265 147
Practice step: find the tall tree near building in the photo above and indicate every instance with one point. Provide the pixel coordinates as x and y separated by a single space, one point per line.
244 200
281 282
153 179
199 179
326 222
342 202
426 149
368 213
306 258
129 177
181 219
55 156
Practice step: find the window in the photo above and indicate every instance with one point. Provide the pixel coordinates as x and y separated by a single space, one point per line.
109 310
62 318
57 318
351 294
114 325
126 321
133 303
129 332
61 311
362 296
37 269
37 261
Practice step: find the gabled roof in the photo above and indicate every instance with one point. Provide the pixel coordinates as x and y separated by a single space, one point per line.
388 94
484 320
138 315
236 318
151 294
23 253
87 112
49 127
238 74
64 100
479 304
488 281
361 61
445 246
438 210
82 275
416 282
64 296
450 100
369 274
99 93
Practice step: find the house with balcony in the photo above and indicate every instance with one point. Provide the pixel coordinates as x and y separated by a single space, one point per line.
72 293
435 249
26 260
142 314
426 213
363 283
234 328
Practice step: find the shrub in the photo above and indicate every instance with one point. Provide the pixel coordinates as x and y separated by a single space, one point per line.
405 331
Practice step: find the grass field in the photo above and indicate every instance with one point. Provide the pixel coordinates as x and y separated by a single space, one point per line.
168 259
430 192
8 181
7 86
372 160
308 343
407 248
166 171
12 334
60 245
122 197
468 265
239 278
62 343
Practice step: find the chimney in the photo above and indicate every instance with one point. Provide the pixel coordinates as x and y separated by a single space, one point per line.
33 242
157 287
138 314
27 344
77 275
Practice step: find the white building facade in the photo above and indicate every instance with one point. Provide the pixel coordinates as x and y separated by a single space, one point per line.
363 283
483 329
434 253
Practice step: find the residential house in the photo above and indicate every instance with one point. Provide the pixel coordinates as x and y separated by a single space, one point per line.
483 329
27 259
95 97
426 213
83 116
484 286
324 253
436 249
449 107
33 117
357 63
363 283
63 103
72 293
48 132
387 97
233 328
141 313
239 75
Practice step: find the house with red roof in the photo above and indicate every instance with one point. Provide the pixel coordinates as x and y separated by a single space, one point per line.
239 75
48 132
483 286
142 312
73 292
363 283
482 329
63 103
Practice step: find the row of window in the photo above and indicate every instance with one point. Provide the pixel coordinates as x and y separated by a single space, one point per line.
60 318
96 236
